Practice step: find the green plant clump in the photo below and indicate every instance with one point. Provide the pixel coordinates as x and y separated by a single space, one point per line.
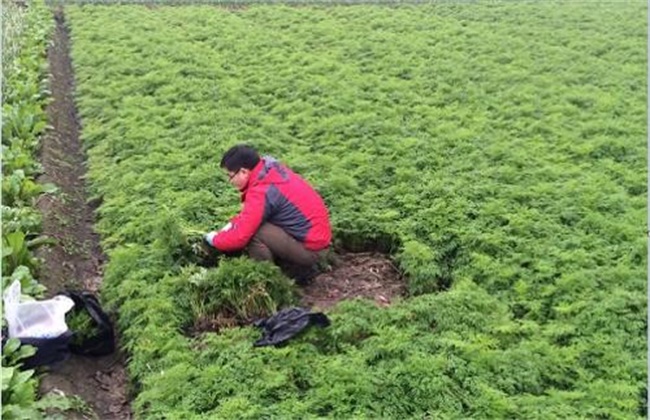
82 326
238 290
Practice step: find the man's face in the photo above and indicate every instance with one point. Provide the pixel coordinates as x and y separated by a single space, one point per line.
239 178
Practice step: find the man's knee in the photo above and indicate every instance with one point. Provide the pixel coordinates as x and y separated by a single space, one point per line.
278 244
268 233
258 248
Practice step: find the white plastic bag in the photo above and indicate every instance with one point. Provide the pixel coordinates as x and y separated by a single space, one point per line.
35 319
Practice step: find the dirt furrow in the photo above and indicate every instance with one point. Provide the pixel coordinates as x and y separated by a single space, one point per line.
75 262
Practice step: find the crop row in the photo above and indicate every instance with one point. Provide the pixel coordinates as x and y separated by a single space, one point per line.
26 30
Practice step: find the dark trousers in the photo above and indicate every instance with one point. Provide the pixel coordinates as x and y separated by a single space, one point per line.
271 243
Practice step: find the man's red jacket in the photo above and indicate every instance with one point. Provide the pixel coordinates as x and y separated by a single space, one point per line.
277 195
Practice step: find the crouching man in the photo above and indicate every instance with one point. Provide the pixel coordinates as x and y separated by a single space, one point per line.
283 219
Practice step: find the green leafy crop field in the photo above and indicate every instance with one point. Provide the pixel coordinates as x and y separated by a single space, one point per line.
497 150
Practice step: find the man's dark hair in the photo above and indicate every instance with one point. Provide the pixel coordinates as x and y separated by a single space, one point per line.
240 156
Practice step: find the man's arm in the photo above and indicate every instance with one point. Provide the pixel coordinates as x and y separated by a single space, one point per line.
236 234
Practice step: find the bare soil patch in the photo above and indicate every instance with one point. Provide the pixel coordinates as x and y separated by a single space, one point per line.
75 262
368 275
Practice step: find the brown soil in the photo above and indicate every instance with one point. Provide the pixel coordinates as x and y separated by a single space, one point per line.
368 275
75 262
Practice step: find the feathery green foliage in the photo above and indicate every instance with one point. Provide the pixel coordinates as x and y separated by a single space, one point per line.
497 149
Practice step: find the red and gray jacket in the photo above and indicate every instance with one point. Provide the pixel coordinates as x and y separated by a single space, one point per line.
277 195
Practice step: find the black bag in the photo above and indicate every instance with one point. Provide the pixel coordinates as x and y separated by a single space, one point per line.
287 324
49 350
103 342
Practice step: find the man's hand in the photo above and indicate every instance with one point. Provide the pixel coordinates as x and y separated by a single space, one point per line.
209 237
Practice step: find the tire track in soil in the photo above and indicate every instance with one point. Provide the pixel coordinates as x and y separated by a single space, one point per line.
76 260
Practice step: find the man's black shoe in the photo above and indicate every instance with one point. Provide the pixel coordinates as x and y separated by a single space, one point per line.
306 274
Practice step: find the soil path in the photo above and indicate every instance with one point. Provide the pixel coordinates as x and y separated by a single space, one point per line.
75 262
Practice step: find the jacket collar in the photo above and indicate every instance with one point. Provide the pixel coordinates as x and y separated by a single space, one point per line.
253 178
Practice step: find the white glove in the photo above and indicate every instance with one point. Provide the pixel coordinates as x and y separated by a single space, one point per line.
209 237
